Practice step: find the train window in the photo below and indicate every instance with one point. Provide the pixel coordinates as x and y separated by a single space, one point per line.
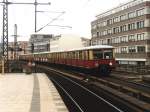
84 55
61 55
46 56
67 55
50 55
108 54
64 55
87 55
97 54
73 55
77 55
57 55
80 54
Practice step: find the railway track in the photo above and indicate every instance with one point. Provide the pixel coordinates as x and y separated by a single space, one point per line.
128 102
82 99
141 87
141 92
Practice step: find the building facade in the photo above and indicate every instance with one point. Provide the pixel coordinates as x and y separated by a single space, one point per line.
127 28
21 48
39 42
85 41
66 42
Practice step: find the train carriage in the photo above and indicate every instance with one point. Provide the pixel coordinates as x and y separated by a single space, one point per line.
98 58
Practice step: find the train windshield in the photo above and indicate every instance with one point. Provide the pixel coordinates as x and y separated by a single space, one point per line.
108 54
103 54
97 54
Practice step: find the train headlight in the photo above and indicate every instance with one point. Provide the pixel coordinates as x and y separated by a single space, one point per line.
110 64
96 64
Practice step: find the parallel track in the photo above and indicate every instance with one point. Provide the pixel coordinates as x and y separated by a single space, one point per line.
123 106
82 98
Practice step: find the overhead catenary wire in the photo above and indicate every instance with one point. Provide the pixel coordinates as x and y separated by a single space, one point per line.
61 26
62 13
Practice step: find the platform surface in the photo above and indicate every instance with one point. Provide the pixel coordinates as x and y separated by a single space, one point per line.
29 93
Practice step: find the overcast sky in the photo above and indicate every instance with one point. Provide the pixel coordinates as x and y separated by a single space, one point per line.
78 14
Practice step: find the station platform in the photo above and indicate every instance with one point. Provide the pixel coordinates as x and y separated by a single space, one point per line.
29 93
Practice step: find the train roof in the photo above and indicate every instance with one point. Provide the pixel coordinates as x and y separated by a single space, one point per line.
94 47
79 49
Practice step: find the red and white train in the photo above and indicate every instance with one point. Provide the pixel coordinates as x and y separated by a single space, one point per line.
99 59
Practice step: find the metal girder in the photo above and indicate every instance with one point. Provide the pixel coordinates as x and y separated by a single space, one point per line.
5 35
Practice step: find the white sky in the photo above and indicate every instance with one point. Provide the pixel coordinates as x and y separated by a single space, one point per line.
78 15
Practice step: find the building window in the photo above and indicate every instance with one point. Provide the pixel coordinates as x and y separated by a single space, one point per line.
132 38
116 30
132 63
117 40
123 39
94 42
116 19
98 25
113 40
101 33
117 50
109 22
131 15
140 12
104 23
123 17
97 34
132 49
102 41
140 24
109 31
140 36
94 35
123 28
141 49
94 26
131 26
105 32
108 41
105 42
124 49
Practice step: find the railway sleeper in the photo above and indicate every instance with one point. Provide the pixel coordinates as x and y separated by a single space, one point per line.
145 107
130 91
136 103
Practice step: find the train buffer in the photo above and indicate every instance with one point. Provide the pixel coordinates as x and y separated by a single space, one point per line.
29 93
